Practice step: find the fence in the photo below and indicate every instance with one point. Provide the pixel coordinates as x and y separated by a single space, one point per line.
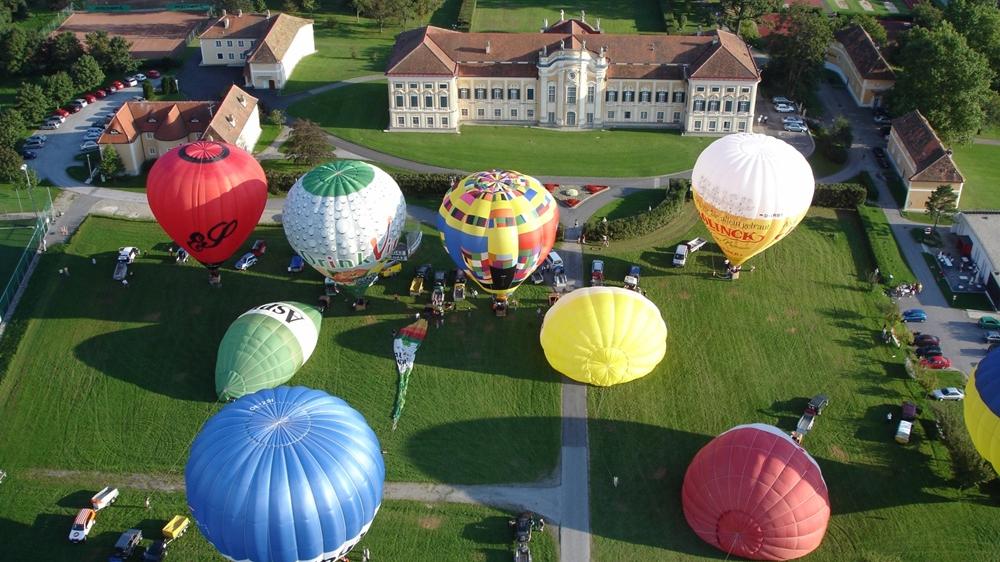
56 21
39 226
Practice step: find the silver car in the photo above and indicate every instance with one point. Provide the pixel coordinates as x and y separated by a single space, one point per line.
950 393
246 262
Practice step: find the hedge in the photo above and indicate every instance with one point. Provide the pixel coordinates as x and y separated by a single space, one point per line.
465 14
677 192
280 181
839 195
890 261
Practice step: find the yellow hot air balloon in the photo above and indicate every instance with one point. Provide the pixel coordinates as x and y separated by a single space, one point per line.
982 407
604 335
751 190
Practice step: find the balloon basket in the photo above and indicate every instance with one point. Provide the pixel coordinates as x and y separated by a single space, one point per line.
360 305
215 278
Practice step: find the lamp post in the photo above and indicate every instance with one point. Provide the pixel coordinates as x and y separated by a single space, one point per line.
90 170
27 183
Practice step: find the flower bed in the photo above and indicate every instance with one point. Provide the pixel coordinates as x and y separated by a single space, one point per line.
594 189
571 202
573 195
551 187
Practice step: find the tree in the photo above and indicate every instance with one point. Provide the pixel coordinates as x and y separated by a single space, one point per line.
148 91
10 164
276 117
289 6
942 203
307 5
260 6
111 163
407 10
61 51
735 12
797 57
979 22
86 73
11 127
119 55
926 14
945 79
32 102
234 6
58 87
968 466
16 50
307 143
378 10
866 21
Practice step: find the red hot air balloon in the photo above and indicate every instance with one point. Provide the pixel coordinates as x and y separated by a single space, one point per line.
208 197
752 492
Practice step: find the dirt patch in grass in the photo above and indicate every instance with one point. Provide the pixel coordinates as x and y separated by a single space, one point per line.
684 295
791 330
839 454
430 522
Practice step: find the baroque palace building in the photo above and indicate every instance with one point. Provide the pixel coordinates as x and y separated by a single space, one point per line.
571 76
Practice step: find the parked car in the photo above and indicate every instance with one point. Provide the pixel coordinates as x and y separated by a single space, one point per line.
681 255
51 125
929 351
118 85
109 495
597 273
126 545
632 278
903 432
784 108
989 323
91 98
536 276
60 112
100 94
696 244
950 393
80 101
882 119
777 100
796 128
297 264
88 146
155 552
95 130
552 260
112 87
140 77
153 73
82 524
259 248
914 315
92 135
910 411
925 339
41 138
247 261
993 337
28 154
818 403
74 108
33 144
879 151
793 119
936 362
130 81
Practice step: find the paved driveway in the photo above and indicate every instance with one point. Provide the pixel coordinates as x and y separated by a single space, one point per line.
64 143
801 141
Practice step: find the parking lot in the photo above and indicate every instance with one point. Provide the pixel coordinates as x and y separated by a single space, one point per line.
774 126
63 144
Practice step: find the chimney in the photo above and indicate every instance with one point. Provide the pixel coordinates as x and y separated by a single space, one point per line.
231 120
489 47
239 13
545 23
267 15
562 15
583 16
598 28
715 39
225 22
211 110
224 12
243 101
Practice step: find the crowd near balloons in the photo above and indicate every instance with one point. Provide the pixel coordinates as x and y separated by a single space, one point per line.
288 474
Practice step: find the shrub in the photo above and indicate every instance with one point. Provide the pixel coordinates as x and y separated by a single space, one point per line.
465 14
834 141
839 195
280 181
643 223
890 261
423 184
969 468
866 180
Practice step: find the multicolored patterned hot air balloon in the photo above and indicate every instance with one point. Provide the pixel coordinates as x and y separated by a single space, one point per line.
405 347
264 347
208 197
751 190
752 492
498 226
288 474
982 407
604 335
344 218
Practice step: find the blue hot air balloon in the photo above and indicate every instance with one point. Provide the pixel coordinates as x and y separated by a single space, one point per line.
286 474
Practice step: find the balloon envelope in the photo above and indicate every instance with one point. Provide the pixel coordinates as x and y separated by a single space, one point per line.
604 335
498 226
344 218
751 190
208 197
264 347
754 493
285 475
982 407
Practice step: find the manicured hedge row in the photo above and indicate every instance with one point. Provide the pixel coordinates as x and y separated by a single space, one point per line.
643 223
465 14
280 181
890 261
839 195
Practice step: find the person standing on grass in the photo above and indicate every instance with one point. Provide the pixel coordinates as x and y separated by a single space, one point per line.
147 502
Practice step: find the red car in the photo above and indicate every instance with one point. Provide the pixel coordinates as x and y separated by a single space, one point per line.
112 88
936 362
100 94
73 108
152 74
118 85
61 112
91 98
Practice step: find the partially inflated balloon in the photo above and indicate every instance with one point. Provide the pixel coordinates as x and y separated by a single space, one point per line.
751 190
498 226
208 197
344 218
604 335
752 492
982 407
264 347
285 475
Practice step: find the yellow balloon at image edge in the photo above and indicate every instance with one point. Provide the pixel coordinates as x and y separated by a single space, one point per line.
982 423
604 336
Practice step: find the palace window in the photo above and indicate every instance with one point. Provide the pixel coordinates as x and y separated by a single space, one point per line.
443 86
726 125
465 112
611 115
531 114
530 94
628 96
229 43
743 107
552 117
699 105
743 125
430 121
513 114
730 90
416 121
497 113
728 106
552 96
700 89
643 116
428 86
463 93
591 93
444 121
401 121
444 101
715 90
399 101
645 96
661 96
480 93
590 118
677 117
628 115
571 95
678 97
496 94
480 112
745 90
414 101
611 95
513 93
697 125
413 85
397 85
428 101
711 125
659 117
713 105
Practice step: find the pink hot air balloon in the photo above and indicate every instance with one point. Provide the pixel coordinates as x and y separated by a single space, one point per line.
753 492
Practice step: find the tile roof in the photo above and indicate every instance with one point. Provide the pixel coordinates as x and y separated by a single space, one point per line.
864 54
176 120
933 163
274 32
246 26
432 51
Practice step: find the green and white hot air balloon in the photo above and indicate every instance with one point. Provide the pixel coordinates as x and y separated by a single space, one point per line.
264 347
344 218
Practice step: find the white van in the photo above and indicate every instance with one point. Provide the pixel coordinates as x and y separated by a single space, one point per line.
680 255
903 432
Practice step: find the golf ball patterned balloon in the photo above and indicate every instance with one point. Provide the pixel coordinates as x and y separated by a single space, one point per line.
344 218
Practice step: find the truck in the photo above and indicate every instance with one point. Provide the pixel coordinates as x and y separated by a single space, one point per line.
82 525
597 273
681 255
813 409
632 278
417 284
126 255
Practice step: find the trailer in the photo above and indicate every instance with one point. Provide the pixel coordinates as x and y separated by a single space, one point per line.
104 498
458 288
176 527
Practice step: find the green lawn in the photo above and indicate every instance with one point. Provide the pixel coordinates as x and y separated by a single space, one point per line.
877 8
20 201
348 46
529 15
359 113
268 132
980 164
823 166
136 365
14 237
809 301
638 202
39 512
990 133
